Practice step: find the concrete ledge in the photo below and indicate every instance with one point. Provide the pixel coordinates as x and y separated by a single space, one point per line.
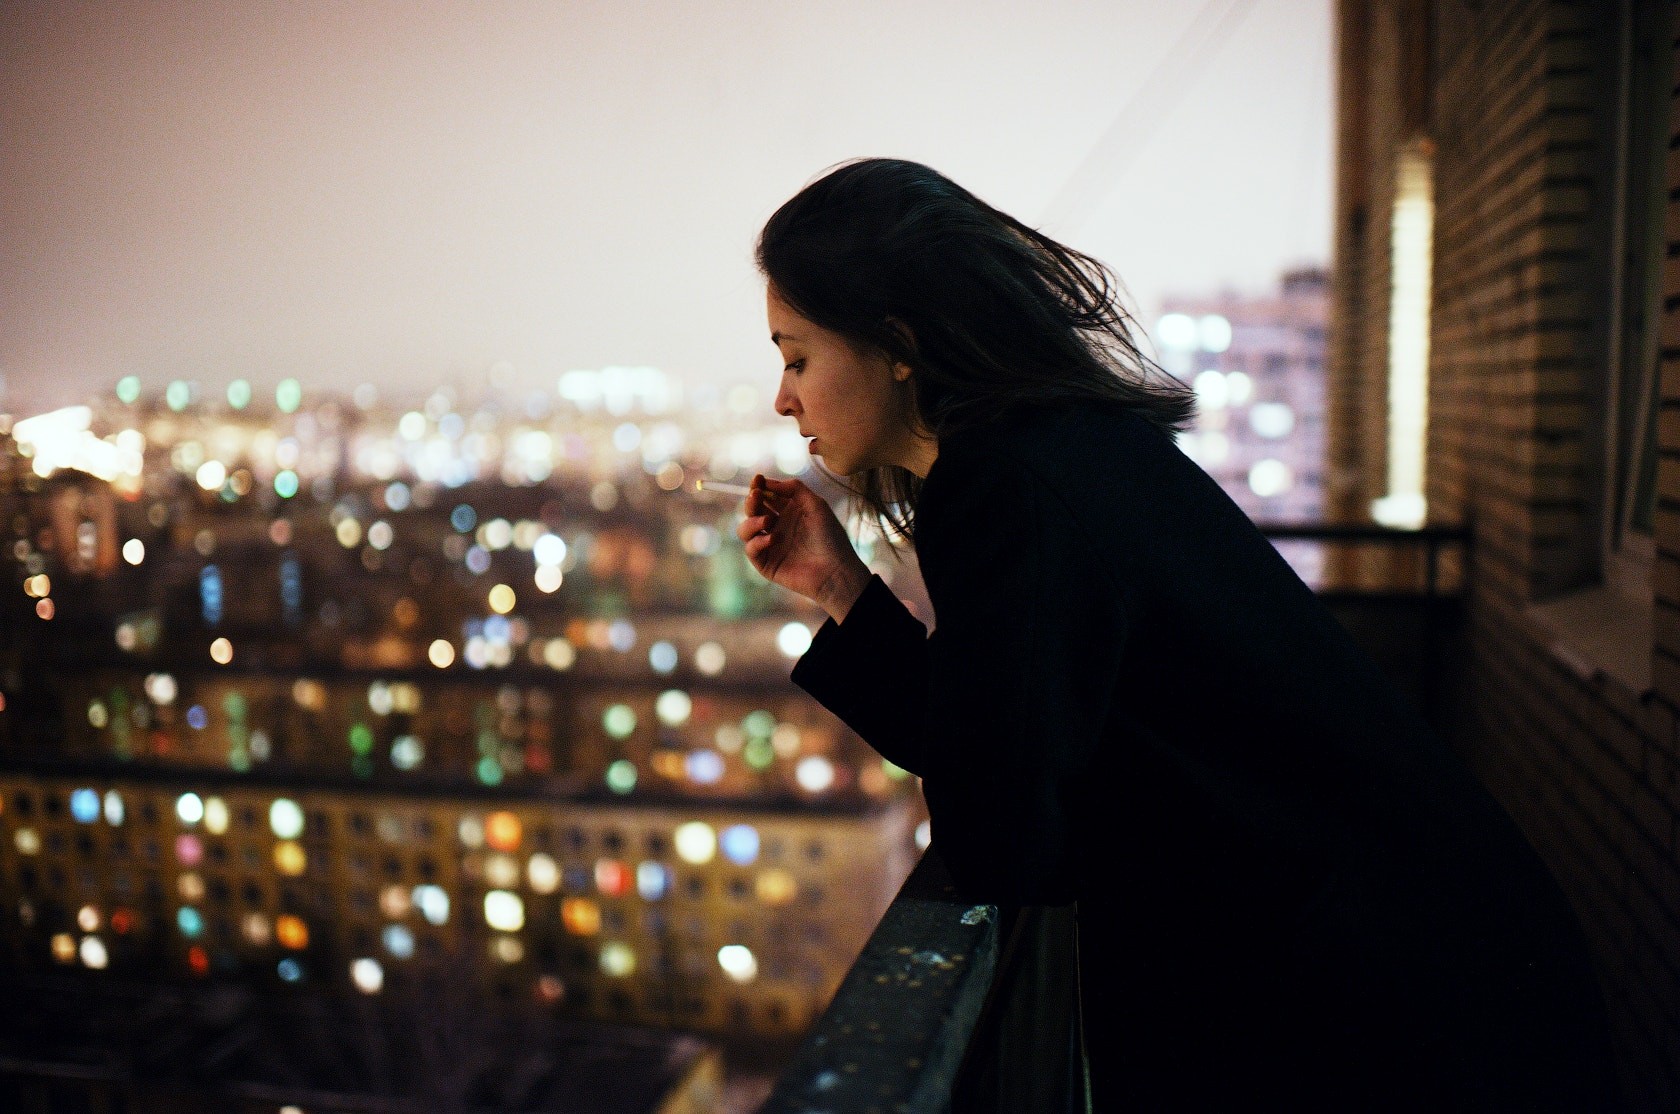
894 1036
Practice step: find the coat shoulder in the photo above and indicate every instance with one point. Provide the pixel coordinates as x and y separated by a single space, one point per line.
1075 449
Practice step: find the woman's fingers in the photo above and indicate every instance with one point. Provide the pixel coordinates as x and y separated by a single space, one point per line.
752 526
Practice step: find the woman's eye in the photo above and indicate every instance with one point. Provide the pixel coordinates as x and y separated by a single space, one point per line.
796 366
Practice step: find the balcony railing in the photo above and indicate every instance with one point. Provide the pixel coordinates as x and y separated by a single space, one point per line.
951 1005
958 1006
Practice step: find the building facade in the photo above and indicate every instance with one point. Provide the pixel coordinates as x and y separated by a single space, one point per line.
1257 363
1505 353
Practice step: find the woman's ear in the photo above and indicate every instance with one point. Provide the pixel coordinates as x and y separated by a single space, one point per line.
904 331
902 371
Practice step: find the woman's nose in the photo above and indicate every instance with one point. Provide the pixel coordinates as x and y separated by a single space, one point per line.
785 402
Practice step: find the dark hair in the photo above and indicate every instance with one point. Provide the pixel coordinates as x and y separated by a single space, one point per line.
999 315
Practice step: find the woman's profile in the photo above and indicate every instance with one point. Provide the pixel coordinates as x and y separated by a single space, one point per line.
1290 893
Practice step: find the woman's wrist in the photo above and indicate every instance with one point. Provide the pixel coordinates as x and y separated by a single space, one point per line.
842 590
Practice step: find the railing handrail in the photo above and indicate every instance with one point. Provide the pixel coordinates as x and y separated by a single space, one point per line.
896 1032
1364 531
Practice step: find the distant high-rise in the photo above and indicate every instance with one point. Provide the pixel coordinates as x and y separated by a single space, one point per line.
1258 367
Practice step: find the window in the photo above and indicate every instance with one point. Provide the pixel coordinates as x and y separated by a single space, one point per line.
1645 77
1607 628
1411 239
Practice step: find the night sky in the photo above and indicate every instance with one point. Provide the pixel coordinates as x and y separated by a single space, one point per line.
411 193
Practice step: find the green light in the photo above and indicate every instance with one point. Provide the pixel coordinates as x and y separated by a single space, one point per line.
897 773
178 394
361 765
234 705
621 776
361 738
239 394
759 723
286 484
758 752
128 389
619 720
288 395
489 771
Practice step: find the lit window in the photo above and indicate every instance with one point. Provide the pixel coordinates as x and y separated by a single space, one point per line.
286 818
504 911
368 975
696 842
617 960
738 963
740 844
580 915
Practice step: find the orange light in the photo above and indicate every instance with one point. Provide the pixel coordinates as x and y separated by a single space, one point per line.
581 916
289 858
198 960
502 831
121 921
291 932
776 887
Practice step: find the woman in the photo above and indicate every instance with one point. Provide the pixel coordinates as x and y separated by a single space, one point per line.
1290 893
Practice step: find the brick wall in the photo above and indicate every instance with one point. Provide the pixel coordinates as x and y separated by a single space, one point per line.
1522 111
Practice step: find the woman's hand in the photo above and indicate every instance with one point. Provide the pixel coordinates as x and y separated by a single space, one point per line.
793 538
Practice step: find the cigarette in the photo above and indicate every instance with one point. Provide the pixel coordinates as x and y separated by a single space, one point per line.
727 489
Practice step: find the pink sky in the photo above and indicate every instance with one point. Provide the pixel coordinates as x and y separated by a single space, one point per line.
408 193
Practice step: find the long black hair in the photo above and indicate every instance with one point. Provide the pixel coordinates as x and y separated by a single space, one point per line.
995 316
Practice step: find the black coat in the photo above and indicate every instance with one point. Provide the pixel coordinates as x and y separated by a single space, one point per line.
1291 893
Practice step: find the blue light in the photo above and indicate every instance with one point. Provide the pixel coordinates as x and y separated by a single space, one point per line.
399 941
210 594
291 589
662 656
740 844
84 805
653 880
191 922
289 969
433 903
197 717
463 518
704 766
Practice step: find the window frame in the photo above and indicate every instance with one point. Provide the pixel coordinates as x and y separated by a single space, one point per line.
1628 550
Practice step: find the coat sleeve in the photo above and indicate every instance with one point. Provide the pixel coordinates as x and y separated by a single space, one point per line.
1005 723
871 671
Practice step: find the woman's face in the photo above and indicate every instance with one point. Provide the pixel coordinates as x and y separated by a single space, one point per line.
844 401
